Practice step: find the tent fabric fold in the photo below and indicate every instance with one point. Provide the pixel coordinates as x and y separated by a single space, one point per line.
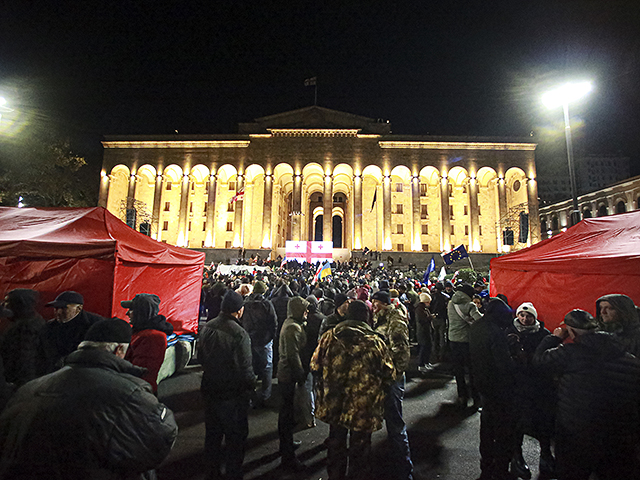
574 268
91 251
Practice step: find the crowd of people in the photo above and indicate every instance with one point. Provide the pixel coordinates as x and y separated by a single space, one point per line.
339 349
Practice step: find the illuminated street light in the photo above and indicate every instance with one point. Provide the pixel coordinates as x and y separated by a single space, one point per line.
562 96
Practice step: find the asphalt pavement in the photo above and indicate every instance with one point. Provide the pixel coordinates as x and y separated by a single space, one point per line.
443 439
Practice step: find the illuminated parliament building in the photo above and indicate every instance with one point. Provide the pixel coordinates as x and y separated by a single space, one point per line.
321 174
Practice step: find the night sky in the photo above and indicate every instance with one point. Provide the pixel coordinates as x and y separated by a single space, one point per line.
430 67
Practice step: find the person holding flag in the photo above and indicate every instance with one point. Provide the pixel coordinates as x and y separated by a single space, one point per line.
430 268
324 270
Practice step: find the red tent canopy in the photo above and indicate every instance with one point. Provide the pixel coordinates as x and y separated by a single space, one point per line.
574 268
94 253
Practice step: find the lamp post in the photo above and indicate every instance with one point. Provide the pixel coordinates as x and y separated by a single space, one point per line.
562 96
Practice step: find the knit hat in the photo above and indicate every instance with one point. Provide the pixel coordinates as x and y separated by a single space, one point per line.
529 308
466 289
231 302
113 330
382 296
340 299
67 298
425 298
358 310
259 287
580 319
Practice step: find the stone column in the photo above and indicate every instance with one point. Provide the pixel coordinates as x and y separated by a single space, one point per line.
416 227
183 235
502 211
157 203
210 232
534 212
327 209
386 212
238 230
474 221
445 229
104 190
357 217
267 234
296 213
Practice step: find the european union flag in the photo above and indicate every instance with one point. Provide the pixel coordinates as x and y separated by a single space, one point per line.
454 255
430 268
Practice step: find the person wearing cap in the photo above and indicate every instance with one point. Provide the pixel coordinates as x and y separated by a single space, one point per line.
424 332
353 370
391 322
20 342
618 315
150 329
462 312
62 334
291 373
494 376
535 392
597 420
228 381
260 321
94 418
342 304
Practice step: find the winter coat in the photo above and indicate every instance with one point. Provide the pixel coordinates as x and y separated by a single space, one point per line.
423 324
149 340
493 369
259 320
599 388
280 300
327 306
459 322
61 339
438 306
312 330
20 349
292 340
626 328
391 323
330 322
353 370
93 419
224 350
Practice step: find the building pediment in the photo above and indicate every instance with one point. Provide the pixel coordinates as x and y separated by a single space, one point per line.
315 118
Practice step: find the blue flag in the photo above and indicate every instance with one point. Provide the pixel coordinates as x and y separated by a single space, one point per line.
430 268
454 255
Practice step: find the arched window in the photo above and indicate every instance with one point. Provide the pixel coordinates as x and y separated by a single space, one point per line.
602 211
586 212
554 223
621 207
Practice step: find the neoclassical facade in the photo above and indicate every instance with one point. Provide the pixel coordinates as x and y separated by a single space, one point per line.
320 174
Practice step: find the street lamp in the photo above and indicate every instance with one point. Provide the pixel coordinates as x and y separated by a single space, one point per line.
562 96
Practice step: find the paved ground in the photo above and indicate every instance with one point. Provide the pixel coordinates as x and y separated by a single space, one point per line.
443 439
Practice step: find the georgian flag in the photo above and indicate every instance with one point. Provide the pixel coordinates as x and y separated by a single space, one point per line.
309 251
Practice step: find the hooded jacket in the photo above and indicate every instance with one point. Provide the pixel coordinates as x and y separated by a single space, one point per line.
392 324
626 328
292 340
259 320
353 370
462 317
599 389
149 339
20 345
93 419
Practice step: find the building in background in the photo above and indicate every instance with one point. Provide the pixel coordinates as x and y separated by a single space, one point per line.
321 174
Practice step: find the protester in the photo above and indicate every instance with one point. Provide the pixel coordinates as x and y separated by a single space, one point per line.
149 340
618 315
94 418
424 332
354 369
228 382
62 334
438 307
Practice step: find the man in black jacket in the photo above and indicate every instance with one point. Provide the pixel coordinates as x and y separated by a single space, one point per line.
224 350
94 418
494 375
62 334
597 420
260 321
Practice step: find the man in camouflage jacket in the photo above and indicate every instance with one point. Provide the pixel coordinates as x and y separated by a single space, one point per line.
392 323
353 370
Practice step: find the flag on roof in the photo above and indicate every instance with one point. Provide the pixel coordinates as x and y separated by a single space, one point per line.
237 196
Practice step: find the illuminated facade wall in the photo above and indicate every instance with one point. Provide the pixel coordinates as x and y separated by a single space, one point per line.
431 194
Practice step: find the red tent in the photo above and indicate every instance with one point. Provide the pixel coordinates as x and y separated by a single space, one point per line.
574 268
94 253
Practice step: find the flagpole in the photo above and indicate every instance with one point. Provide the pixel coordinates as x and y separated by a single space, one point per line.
471 263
